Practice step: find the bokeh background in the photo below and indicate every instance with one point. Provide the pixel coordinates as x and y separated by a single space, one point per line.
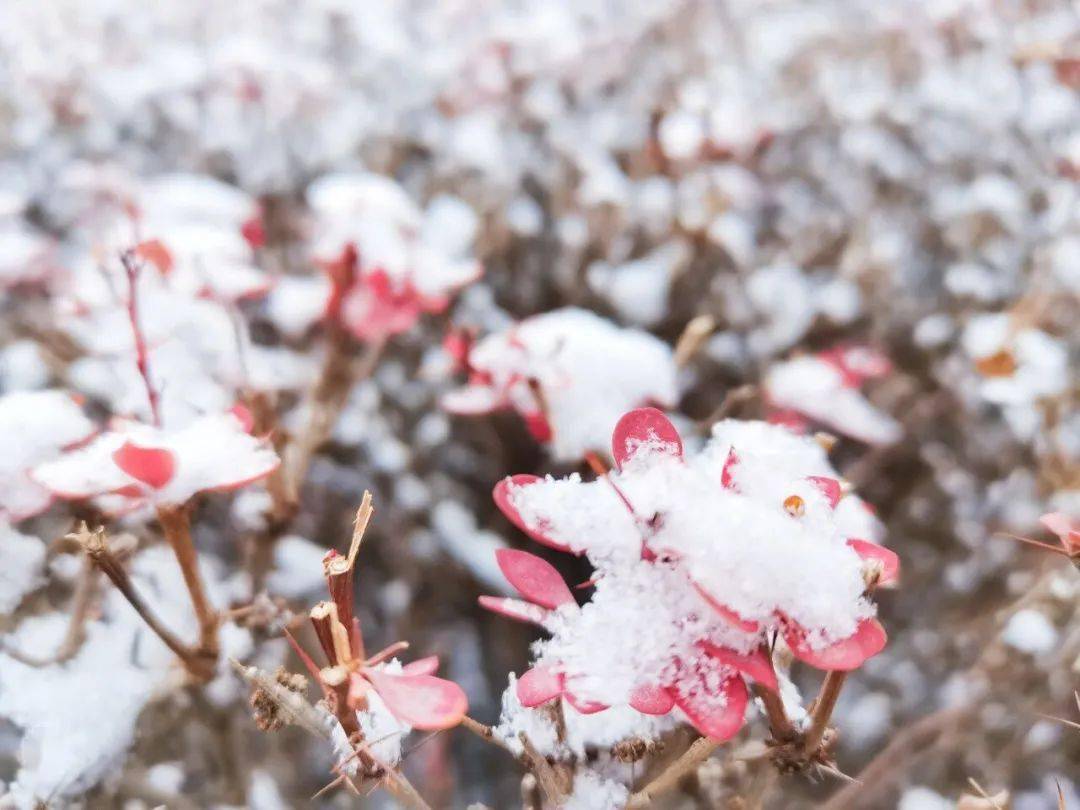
803 173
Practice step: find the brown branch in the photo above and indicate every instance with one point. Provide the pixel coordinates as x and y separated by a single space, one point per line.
689 762
880 773
176 523
95 544
779 723
76 629
822 712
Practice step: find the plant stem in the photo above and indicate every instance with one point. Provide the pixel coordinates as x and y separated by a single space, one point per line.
779 724
96 545
132 269
76 630
823 709
176 523
696 754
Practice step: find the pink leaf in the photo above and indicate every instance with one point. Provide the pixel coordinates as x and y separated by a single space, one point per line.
538 426
515 609
732 461
501 495
716 710
422 666
422 701
644 427
726 613
867 641
1063 526
243 413
829 487
535 579
537 686
152 466
756 665
890 563
582 706
650 699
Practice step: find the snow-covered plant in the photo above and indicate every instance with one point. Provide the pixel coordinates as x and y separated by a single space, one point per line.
706 566
388 261
824 389
569 373
144 464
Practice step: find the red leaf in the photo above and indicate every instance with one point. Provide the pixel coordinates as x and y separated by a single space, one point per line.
867 641
537 686
422 701
829 487
501 495
153 466
727 614
422 666
756 665
538 426
155 252
890 563
514 609
243 413
253 232
644 427
582 706
535 578
650 699
730 463
716 710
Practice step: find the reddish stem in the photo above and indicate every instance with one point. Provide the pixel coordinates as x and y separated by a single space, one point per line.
132 268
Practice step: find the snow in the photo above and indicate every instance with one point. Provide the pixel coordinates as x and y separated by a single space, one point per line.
298 568
472 547
79 717
22 560
589 370
639 289
593 792
36 426
1030 632
817 389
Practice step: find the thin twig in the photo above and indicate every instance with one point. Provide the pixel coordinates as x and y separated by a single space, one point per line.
822 713
779 723
76 629
133 267
176 523
879 773
689 762
96 545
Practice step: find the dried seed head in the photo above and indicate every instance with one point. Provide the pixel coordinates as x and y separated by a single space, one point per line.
633 749
292 681
794 505
265 711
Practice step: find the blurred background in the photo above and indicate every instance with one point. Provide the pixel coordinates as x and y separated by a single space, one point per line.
798 175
